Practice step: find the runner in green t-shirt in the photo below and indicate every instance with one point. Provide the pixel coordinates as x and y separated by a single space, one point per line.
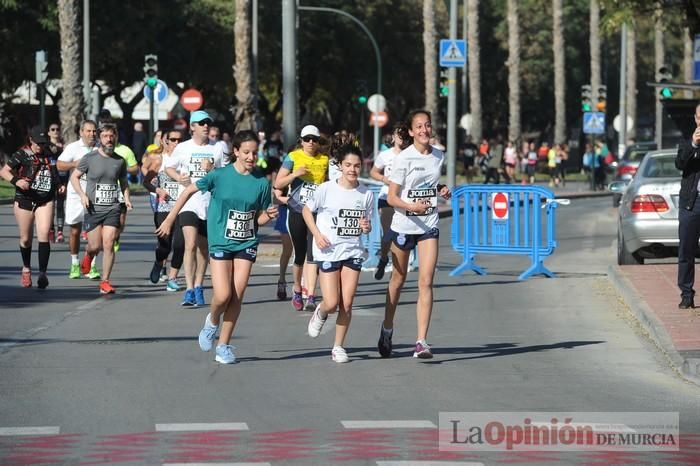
240 202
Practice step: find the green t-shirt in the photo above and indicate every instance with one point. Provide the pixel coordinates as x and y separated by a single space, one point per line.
126 153
235 202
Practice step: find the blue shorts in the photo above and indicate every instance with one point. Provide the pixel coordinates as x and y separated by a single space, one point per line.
249 254
407 242
281 221
333 266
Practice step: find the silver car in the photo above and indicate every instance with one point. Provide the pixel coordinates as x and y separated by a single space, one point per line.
648 212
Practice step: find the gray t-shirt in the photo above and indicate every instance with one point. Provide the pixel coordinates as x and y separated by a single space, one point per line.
103 175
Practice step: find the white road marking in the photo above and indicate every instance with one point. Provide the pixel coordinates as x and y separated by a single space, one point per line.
388 424
201 426
48 430
427 463
217 464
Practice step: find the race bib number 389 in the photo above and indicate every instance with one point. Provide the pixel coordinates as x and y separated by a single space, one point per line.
349 222
240 225
425 196
106 194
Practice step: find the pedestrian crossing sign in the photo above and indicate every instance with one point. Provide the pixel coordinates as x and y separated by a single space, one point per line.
453 53
594 123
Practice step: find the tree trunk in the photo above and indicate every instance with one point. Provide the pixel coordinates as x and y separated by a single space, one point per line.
513 72
474 65
632 79
688 63
430 59
658 63
559 73
71 105
244 115
594 44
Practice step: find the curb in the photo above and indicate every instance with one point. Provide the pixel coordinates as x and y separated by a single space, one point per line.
688 367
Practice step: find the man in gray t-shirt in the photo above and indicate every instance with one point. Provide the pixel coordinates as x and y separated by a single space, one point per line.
106 177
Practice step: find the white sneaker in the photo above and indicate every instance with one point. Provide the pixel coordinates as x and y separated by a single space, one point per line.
316 322
339 355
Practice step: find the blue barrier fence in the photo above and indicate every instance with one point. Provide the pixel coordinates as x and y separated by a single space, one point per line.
503 219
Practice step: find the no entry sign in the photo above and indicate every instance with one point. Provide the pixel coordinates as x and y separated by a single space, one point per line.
191 100
499 206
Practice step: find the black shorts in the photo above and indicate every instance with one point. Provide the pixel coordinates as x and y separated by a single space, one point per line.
407 242
332 266
106 218
190 219
31 205
249 254
381 203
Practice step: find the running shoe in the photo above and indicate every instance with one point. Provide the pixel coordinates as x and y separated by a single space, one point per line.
86 264
297 301
422 350
281 291
384 345
224 354
93 274
339 355
106 287
207 334
74 271
199 296
59 237
163 275
304 292
43 281
188 300
310 303
26 278
379 273
316 322
172 285
155 272
116 245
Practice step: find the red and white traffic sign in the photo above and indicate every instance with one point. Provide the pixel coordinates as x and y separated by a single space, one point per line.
499 206
191 100
378 118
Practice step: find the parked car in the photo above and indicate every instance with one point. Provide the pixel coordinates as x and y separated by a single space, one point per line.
648 214
628 164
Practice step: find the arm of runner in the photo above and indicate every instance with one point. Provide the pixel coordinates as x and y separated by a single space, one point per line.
394 200
320 239
377 173
7 175
268 214
124 185
285 177
166 226
75 182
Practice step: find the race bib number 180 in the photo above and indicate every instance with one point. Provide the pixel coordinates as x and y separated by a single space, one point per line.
240 225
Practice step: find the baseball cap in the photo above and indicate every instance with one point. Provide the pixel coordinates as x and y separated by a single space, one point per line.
198 116
38 135
310 130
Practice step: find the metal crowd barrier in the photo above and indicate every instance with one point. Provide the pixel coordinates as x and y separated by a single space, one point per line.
504 219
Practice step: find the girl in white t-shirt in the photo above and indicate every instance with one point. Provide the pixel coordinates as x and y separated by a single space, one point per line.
343 209
381 171
413 192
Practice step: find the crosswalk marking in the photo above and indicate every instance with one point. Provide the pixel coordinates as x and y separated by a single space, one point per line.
201 427
388 424
46 430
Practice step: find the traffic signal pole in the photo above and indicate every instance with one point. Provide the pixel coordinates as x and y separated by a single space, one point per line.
452 105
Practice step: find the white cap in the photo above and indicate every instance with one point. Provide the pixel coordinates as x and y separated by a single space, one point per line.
310 130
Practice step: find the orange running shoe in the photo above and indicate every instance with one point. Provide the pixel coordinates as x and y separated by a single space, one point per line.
26 278
86 264
106 288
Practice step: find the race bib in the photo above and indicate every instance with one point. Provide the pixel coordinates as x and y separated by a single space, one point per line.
306 192
425 196
42 181
240 225
171 187
196 170
349 222
106 194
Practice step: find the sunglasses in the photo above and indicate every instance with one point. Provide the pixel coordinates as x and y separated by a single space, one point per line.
309 139
53 129
203 122
175 139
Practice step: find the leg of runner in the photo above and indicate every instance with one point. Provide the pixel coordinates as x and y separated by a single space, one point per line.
427 256
43 217
386 215
348 284
178 247
109 234
25 223
399 259
330 284
286 254
201 269
297 232
310 278
189 260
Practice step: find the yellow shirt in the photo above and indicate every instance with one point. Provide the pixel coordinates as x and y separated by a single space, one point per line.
317 166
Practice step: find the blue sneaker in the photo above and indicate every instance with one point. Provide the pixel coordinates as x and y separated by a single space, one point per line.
224 354
188 300
207 334
172 285
199 296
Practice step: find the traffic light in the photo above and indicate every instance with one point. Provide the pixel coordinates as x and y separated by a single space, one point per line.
150 70
665 76
602 99
361 90
42 65
586 98
444 84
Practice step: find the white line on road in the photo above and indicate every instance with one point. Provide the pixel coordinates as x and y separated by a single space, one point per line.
387 424
201 427
427 463
48 430
216 464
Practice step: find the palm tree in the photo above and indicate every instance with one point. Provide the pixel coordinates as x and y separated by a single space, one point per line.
430 58
513 71
559 73
244 115
474 68
594 45
631 78
71 103
659 59
687 60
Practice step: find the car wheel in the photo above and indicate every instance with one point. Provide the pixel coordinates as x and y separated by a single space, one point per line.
624 257
616 198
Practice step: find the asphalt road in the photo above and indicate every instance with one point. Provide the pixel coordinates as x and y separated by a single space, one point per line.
121 380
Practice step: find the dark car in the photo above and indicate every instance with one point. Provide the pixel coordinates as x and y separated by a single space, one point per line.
629 163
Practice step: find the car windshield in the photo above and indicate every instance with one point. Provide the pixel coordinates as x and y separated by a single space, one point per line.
661 167
636 155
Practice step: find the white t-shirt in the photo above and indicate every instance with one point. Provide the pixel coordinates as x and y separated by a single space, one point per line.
385 161
224 150
418 176
72 153
186 159
339 213
333 170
